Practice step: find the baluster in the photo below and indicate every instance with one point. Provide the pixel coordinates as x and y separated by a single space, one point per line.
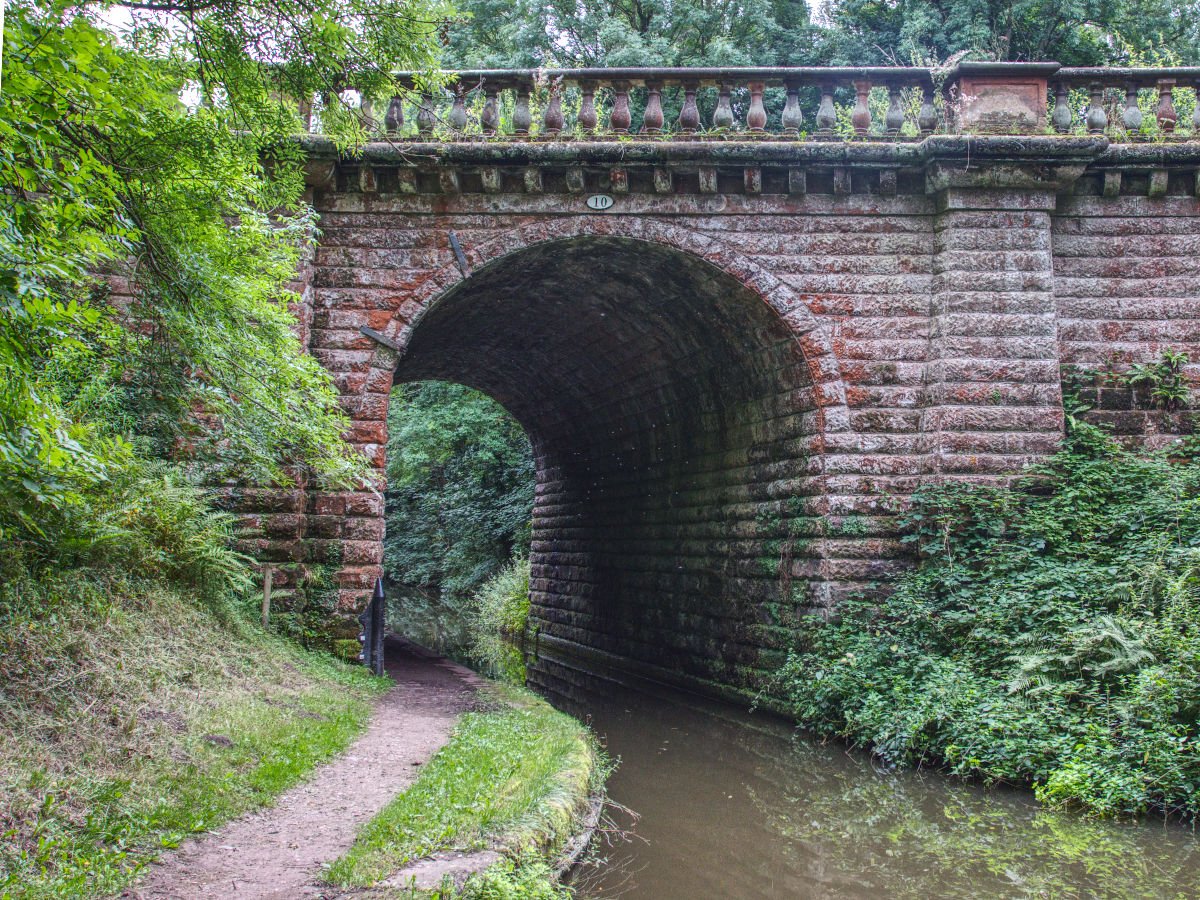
619 119
425 117
305 108
393 119
1097 118
1167 116
826 113
552 120
793 116
1196 114
894 120
521 119
1131 116
723 114
652 118
927 118
689 116
860 118
367 108
1061 118
458 111
587 109
756 116
489 119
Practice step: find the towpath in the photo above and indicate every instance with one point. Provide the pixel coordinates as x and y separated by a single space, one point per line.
278 853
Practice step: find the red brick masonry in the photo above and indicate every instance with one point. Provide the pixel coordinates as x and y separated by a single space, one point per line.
734 376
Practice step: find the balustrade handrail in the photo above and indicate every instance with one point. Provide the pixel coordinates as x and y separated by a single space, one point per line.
772 76
1095 80
620 81
1116 77
936 103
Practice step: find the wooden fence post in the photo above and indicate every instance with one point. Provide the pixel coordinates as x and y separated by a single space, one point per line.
268 573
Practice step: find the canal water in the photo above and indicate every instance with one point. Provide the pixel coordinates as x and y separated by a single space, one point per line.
719 802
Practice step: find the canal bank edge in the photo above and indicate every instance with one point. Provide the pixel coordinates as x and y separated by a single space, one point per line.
552 766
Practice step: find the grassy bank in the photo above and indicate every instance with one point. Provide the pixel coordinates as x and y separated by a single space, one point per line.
1051 636
515 777
131 716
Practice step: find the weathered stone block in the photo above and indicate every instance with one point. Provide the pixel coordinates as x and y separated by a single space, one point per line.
1002 98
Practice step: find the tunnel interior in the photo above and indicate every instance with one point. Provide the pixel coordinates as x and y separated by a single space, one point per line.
673 423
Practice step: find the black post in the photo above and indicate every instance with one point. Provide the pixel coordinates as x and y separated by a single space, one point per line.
371 637
378 624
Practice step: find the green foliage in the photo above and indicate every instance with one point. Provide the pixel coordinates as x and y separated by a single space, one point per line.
515 880
1050 635
1163 382
501 606
567 33
1074 32
306 613
497 618
646 33
195 214
515 778
147 519
460 498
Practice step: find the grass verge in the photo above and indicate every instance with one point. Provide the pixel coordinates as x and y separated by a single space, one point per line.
515 778
130 718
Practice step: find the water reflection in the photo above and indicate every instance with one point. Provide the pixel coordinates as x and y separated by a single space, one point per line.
427 619
734 805
433 623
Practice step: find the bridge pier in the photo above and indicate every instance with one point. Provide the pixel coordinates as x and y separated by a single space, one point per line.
993 400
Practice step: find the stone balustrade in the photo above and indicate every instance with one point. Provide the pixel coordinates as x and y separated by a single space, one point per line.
613 115
602 103
876 103
1127 84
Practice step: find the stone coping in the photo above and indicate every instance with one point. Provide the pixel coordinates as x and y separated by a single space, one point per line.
1030 148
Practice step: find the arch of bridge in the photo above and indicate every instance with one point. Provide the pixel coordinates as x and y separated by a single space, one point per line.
945 368
812 335
680 498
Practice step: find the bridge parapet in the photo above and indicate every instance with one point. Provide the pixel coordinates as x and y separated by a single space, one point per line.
785 103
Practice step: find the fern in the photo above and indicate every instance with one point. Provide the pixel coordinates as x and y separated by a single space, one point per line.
1100 649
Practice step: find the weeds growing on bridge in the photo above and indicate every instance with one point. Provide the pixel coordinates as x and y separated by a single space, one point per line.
1051 635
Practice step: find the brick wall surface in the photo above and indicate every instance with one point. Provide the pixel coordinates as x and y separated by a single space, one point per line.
1127 286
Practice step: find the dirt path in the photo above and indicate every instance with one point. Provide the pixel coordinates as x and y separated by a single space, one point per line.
277 853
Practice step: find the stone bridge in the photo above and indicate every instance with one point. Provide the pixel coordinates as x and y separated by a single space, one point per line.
737 347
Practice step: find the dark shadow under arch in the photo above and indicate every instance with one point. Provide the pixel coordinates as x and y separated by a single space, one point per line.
677 436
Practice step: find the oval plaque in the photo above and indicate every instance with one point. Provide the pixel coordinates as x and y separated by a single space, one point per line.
599 202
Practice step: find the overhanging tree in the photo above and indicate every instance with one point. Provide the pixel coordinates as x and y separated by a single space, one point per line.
103 168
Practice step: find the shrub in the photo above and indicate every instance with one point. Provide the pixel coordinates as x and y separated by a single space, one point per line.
498 616
1051 634
147 520
520 880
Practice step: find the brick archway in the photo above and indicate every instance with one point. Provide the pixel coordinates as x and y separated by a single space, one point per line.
681 499
930 308
811 333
